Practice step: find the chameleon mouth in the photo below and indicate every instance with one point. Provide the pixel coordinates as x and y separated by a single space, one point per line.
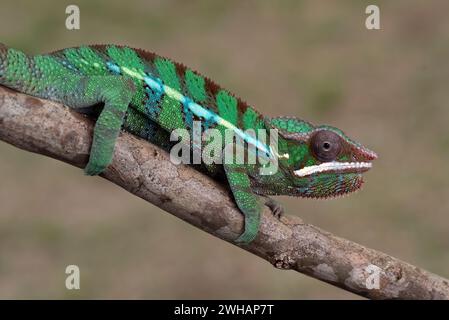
334 167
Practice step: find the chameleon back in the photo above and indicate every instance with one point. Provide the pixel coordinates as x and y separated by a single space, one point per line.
149 72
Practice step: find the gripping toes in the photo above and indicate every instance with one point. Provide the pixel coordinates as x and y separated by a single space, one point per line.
251 227
276 208
248 203
116 93
95 167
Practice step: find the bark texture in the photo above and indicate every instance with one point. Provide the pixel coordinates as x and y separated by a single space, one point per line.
145 170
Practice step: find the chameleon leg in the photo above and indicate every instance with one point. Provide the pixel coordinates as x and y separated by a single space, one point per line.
246 200
116 94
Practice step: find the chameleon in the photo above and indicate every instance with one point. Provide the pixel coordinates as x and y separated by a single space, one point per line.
150 96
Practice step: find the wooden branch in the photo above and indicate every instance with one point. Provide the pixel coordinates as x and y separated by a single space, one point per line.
145 170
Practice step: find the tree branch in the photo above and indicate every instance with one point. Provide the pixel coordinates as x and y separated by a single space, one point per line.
145 170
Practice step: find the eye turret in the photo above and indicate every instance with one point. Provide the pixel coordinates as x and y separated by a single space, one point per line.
325 145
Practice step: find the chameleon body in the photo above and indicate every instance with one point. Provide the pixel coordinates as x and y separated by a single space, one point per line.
150 96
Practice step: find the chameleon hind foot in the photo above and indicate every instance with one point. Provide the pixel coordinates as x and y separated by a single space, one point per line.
94 168
116 94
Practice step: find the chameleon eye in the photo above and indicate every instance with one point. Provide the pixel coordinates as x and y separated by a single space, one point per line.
325 145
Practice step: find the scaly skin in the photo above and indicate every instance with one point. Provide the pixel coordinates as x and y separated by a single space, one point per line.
150 96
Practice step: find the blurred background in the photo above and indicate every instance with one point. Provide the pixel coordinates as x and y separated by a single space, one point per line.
313 59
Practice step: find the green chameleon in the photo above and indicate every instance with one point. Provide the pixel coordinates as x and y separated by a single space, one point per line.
150 96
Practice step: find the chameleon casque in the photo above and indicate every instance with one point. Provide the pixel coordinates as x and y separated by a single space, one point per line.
150 96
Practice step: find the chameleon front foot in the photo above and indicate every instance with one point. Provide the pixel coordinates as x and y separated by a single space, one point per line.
252 218
276 208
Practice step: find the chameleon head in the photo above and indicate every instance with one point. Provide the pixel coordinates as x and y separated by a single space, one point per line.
320 161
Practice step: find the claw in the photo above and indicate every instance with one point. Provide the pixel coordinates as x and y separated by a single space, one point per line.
276 208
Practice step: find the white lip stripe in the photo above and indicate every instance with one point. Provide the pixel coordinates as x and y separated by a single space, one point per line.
328 166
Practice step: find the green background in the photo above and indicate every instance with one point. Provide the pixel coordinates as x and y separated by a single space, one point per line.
312 59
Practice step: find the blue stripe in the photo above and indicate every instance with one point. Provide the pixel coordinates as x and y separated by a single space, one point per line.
157 85
113 67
